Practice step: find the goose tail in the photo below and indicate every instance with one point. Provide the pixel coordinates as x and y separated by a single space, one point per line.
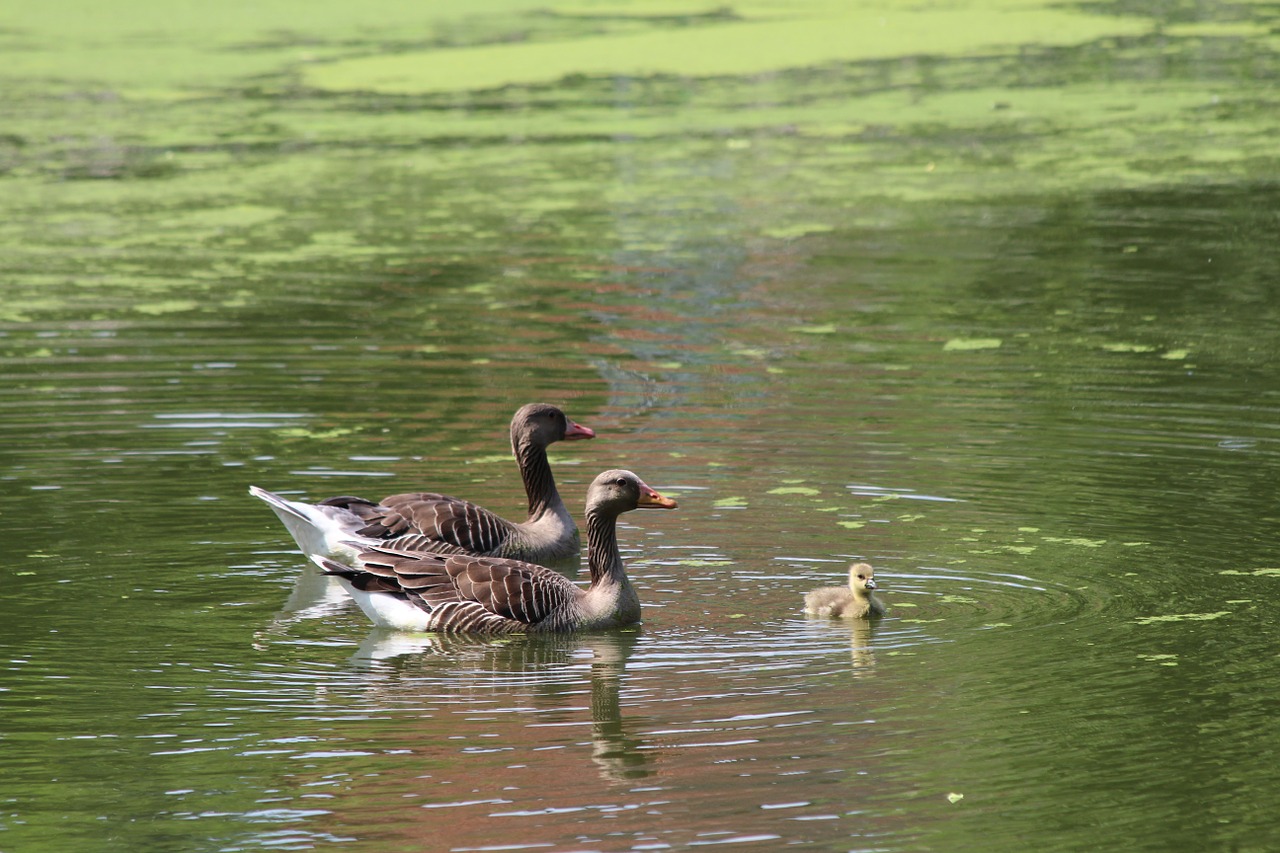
316 529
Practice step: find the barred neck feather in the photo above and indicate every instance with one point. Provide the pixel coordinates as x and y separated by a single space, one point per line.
539 484
603 559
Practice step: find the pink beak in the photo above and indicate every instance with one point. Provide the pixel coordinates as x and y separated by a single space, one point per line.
574 431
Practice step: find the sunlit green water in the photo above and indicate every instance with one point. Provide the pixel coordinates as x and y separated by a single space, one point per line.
985 296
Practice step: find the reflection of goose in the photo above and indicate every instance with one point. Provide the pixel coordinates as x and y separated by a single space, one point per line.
381 646
860 650
396 663
412 654
426 521
854 601
422 591
314 595
617 755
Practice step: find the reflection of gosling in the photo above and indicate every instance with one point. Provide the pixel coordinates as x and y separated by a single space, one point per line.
854 601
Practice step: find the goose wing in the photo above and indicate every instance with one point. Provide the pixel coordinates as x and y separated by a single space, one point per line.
439 522
506 589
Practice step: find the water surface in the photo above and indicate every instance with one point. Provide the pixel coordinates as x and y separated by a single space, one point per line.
988 302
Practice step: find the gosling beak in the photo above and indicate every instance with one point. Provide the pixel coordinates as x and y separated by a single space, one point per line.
573 431
871 584
653 500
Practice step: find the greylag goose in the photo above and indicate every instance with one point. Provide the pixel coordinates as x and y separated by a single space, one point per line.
854 601
426 521
462 593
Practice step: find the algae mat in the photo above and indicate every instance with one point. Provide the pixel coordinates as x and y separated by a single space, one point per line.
250 137
748 43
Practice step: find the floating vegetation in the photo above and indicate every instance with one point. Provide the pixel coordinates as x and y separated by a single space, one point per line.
790 232
756 43
967 344
1123 347
1163 660
1076 540
318 435
1182 617
171 306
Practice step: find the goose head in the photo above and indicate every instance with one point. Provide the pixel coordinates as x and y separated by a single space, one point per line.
617 491
542 424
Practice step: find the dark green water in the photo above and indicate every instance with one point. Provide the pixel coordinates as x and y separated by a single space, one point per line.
1002 321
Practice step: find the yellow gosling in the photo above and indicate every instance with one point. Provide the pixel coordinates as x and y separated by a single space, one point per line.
854 601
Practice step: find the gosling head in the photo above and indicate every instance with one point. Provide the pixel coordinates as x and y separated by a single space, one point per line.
861 579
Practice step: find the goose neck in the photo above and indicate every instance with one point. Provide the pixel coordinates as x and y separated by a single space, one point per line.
539 484
603 559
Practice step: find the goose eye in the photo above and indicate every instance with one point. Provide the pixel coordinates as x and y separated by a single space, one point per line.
622 481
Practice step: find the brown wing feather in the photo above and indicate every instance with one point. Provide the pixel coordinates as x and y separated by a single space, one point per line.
422 542
452 522
507 589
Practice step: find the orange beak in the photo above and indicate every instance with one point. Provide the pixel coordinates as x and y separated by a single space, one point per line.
653 500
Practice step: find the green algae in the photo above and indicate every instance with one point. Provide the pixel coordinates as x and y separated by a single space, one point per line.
748 46
157 49
1161 659
1077 541
315 435
1183 617
171 306
970 344
1127 347
491 459
790 232
256 143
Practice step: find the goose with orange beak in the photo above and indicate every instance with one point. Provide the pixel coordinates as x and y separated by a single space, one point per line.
460 593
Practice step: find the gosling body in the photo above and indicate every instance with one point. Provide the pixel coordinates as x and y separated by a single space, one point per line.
854 601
